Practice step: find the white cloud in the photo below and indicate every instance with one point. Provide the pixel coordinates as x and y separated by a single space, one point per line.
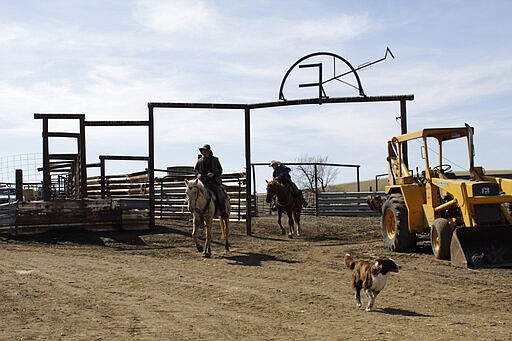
12 32
178 16
341 28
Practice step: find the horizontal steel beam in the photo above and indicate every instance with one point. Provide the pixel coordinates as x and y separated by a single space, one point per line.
358 99
307 164
61 134
59 116
62 156
124 157
115 123
198 105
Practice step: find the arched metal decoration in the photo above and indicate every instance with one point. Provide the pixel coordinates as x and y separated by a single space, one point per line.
321 82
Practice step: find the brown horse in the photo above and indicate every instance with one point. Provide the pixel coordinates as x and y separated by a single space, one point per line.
201 202
285 202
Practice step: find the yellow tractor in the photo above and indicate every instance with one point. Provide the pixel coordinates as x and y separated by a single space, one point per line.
467 216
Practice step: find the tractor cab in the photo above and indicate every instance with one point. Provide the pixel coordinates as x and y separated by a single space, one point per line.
445 203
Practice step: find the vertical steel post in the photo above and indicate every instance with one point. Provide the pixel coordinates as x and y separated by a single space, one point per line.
47 181
254 190
358 182
151 166
82 161
403 124
161 199
316 189
102 178
19 185
248 186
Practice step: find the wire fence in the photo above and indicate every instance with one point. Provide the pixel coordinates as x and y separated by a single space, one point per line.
29 163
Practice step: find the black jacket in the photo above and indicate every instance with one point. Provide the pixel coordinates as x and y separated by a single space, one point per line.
282 174
210 164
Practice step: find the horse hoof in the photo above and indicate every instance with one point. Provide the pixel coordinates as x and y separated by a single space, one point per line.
207 255
200 248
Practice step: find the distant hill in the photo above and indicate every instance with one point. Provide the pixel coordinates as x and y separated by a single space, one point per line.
365 186
369 185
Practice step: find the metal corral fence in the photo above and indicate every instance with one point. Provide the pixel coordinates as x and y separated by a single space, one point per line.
170 195
348 204
122 201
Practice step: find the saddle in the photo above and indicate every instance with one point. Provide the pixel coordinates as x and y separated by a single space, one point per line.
218 201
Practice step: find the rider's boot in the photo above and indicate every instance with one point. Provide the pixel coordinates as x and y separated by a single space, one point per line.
221 204
302 200
298 194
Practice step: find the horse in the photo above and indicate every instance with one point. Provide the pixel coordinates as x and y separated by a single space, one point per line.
201 202
285 202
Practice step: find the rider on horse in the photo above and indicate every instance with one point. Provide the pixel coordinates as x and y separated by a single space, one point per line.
282 175
208 169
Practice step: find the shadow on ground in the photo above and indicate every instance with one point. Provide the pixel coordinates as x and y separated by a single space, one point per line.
81 236
255 259
402 312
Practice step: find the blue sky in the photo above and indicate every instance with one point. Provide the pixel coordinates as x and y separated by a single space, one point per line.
108 59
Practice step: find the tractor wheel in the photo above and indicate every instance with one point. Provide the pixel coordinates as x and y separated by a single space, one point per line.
440 238
394 225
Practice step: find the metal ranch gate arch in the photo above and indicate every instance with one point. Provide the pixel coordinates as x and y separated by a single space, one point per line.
246 108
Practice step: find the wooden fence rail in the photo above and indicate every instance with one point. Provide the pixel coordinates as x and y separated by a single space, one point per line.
170 195
169 191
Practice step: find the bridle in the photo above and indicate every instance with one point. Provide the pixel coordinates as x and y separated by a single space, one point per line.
208 201
277 201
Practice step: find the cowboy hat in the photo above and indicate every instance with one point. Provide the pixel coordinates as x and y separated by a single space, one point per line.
274 162
206 146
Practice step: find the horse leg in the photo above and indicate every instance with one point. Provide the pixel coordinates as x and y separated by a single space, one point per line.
208 232
297 220
224 222
279 215
290 223
224 226
197 222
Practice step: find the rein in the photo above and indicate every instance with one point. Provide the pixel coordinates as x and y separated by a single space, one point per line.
288 202
289 199
206 206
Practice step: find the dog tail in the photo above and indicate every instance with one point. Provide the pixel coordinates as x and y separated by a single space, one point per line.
349 261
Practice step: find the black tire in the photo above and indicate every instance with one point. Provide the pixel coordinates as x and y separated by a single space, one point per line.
441 238
508 207
394 225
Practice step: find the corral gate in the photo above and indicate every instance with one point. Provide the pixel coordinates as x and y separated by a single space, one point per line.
322 99
402 99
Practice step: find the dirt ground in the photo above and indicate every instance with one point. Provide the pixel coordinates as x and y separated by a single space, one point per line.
78 285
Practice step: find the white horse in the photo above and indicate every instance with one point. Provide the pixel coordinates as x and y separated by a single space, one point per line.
201 202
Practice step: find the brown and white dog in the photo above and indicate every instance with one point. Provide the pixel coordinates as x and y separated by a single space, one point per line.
370 276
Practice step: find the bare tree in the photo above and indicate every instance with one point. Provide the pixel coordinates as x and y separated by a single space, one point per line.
305 177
